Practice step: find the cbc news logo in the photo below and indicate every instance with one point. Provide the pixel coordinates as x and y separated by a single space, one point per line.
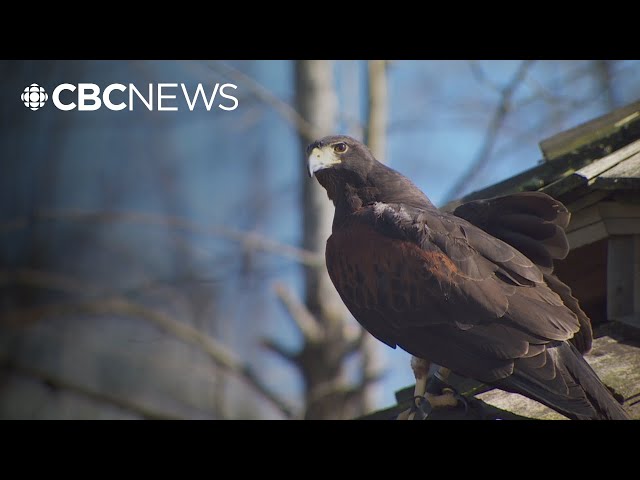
34 96
117 96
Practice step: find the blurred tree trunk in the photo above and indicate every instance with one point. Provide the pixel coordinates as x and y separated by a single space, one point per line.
377 115
323 355
376 140
603 69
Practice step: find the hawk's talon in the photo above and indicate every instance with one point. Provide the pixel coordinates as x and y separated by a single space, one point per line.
469 403
420 407
459 398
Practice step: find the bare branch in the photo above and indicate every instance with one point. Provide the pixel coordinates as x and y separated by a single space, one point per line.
48 280
545 94
369 378
499 115
281 107
304 320
478 73
249 240
563 105
219 354
354 345
104 397
349 392
278 349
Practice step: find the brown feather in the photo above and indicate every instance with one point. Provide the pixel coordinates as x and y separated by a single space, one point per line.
446 289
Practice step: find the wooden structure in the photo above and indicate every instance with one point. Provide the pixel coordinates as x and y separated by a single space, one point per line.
594 169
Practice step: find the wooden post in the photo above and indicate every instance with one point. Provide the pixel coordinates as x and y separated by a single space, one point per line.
623 279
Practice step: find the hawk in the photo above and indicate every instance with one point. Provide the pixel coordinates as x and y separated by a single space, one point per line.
472 292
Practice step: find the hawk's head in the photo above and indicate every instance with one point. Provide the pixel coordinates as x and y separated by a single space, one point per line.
338 161
345 166
339 152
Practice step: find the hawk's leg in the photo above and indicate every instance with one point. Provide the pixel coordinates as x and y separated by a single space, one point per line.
440 392
421 373
425 400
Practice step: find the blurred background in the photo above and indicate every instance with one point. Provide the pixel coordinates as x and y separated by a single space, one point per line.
169 264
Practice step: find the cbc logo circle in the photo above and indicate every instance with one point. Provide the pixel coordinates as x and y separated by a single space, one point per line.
34 96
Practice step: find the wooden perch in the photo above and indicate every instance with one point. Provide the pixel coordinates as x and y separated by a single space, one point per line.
615 357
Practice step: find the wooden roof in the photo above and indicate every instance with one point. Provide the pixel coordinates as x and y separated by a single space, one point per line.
615 357
585 167
602 154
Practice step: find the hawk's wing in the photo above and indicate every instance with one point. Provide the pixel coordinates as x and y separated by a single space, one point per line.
447 291
534 223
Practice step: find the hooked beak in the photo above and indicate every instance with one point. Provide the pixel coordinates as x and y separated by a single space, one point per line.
321 158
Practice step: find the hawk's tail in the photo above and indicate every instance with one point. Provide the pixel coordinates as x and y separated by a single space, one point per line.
604 404
575 392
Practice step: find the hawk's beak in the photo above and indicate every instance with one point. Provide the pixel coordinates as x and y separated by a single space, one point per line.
320 159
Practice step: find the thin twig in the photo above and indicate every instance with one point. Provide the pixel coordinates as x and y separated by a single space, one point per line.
219 354
283 352
302 317
499 115
369 378
249 240
562 103
354 345
333 387
481 77
104 397
49 280
281 107
541 92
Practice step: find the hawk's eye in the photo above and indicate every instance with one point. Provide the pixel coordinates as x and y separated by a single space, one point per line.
340 147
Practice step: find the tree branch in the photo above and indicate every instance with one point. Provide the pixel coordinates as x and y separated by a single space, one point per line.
58 383
353 346
349 392
260 92
49 280
304 320
249 240
484 154
275 347
219 354
368 379
563 105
